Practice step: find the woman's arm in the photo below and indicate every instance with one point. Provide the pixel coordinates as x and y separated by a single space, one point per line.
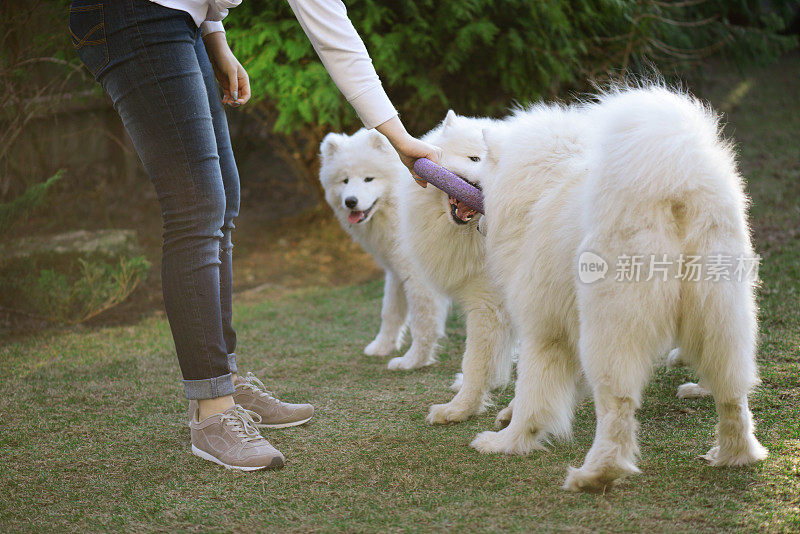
408 147
345 57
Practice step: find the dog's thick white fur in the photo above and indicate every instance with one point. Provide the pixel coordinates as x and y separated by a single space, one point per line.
451 254
641 171
361 175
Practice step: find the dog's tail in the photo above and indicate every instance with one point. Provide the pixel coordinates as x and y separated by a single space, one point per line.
659 151
664 182
661 164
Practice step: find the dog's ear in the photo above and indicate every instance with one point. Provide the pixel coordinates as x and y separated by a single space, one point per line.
488 137
449 119
378 141
329 145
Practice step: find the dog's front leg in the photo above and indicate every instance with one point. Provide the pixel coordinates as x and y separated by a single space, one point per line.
427 315
487 338
393 315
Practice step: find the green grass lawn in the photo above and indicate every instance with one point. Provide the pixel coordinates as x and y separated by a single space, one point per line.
93 435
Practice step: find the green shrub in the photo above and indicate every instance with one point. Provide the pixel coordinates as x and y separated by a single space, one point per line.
20 207
74 292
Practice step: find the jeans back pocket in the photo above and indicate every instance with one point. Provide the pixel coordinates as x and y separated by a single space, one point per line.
87 26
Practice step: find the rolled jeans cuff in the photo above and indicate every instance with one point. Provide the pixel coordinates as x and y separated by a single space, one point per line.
209 388
232 363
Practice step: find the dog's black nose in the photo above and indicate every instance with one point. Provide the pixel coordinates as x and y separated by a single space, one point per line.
351 202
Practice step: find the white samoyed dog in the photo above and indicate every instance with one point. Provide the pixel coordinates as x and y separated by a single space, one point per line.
572 194
361 175
442 238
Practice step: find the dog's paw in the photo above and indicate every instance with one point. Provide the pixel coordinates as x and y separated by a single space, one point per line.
412 359
507 442
596 480
712 457
504 417
380 346
674 359
404 363
487 442
458 381
579 480
690 390
440 414
750 452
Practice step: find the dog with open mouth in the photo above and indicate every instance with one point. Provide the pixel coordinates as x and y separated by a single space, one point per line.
361 174
441 235
459 211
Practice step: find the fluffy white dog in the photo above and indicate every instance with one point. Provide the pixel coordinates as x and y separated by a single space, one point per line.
573 196
441 237
361 174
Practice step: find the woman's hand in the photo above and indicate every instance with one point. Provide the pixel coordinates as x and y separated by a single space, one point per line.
409 148
230 74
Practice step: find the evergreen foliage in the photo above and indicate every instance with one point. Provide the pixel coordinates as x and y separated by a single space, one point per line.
20 208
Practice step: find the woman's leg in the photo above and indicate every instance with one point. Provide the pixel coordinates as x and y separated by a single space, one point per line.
230 180
155 81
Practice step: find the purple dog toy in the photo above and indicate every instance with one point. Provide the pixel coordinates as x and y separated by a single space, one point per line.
450 183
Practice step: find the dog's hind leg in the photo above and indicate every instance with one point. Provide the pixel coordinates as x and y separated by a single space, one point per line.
547 377
723 329
427 315
614 452
488 336
624 326
393 317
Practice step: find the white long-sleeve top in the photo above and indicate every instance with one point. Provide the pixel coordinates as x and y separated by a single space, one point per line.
335 40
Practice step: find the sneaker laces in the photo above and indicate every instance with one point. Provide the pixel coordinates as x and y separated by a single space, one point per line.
242 421
251 382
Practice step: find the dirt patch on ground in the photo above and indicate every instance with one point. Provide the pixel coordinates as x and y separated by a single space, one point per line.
311 249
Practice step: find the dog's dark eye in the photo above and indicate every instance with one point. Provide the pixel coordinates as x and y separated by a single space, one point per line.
474 158
345 180
369 178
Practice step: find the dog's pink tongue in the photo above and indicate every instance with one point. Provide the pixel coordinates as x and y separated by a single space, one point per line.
355 217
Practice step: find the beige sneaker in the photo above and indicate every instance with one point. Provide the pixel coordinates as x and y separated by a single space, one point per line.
231 440
250 393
